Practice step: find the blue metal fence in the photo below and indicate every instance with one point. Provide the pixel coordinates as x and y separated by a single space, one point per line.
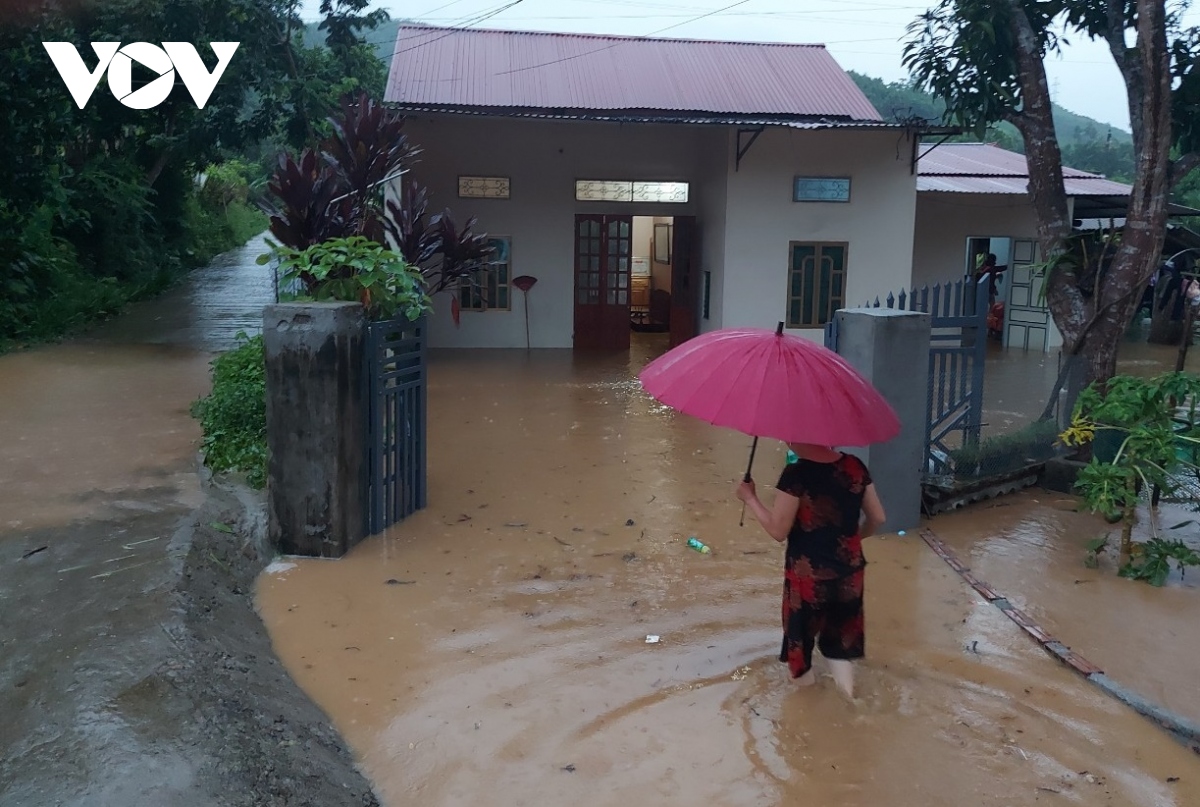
395 355
957 353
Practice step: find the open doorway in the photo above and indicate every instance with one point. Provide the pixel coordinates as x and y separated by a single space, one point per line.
650 297
991 257
621 288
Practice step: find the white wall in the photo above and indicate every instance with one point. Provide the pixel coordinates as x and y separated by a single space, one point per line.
711 220
762 219
946 220
543 160
643 234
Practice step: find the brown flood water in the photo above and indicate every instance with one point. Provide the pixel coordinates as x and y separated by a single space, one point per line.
91 426
492 649
1031 548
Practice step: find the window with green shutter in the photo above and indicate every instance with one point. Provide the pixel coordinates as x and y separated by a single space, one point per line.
816 283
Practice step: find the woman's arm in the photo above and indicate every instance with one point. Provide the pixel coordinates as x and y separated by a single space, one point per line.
873 510
778 520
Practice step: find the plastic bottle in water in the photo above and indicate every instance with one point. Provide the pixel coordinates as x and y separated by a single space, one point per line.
695 544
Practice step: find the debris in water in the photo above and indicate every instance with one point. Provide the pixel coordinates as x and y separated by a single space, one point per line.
740 675
560 540
696 544
569 768
629 557
463 517
652 639
1172 779
395 582
902 532
33 552
516 524
280 566
629 522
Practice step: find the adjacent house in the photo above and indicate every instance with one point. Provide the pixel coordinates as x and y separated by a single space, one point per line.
973 200
676 185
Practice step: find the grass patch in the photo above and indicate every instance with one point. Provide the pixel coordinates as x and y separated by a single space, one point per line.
1006 452
233 416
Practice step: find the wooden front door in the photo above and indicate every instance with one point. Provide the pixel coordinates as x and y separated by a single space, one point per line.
685 279
603 263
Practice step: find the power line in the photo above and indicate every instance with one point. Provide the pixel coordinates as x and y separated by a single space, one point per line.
622 42
473 21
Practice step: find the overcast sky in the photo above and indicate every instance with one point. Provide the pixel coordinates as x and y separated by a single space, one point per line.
863 35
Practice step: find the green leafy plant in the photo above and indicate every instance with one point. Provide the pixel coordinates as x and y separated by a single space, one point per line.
1158 438
355 269
1152 560
233 417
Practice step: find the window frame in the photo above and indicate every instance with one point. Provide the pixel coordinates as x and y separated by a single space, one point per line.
482 287
796 180
485 179
830 305
631 186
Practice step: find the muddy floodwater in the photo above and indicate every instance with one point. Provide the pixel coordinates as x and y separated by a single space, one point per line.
493 648
90 426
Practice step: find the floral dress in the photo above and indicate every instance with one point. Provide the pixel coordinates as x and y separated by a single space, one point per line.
823 575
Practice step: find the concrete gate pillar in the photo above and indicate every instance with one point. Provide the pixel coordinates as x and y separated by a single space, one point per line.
891 349
316 498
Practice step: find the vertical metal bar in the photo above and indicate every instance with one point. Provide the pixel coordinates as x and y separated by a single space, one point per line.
368 434
374 417
422 413
396 405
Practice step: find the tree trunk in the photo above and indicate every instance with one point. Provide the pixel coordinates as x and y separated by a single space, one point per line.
1146 220
1044 158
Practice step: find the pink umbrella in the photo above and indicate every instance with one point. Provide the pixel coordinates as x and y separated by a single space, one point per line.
766 384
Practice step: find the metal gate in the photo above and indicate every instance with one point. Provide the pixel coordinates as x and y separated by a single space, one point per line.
395 375
957 352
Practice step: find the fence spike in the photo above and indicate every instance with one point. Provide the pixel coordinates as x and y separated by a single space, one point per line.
903 300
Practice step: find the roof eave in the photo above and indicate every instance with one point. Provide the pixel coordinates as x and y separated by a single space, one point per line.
674 116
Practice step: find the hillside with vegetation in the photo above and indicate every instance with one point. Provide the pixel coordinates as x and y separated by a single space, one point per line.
1087 144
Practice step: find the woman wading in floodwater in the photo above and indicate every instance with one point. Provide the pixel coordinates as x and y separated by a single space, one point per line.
825 505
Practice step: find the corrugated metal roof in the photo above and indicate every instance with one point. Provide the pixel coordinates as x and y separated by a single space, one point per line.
978 160
1075 186
458 67
985 168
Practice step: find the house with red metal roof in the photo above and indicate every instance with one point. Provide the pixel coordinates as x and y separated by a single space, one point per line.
972 201
654 184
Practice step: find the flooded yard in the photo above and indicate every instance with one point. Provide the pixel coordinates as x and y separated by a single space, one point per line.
494 647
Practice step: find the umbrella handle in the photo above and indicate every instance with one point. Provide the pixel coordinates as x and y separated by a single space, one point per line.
750 464
746 478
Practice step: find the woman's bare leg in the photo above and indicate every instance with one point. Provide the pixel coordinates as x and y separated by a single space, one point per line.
843 675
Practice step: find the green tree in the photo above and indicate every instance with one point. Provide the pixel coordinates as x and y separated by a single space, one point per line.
985 60
101 205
